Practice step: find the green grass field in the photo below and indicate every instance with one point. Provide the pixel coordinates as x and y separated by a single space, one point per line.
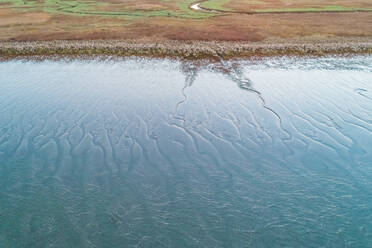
260 6
215 4
25 20
89 8
182 10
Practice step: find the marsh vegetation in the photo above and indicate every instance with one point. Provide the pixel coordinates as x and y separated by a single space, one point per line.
159 20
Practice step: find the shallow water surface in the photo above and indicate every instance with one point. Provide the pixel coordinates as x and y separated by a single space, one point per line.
159 153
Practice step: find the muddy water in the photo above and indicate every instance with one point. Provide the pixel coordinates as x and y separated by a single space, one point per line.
158 153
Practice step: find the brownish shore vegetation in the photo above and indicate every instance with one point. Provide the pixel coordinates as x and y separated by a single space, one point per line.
173 28
190 49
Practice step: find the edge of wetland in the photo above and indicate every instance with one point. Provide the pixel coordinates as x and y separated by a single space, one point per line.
183 49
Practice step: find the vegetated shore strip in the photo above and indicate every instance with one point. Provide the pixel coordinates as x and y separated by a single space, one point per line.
196 6
184 49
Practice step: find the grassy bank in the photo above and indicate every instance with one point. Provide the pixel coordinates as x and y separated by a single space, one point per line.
194 49
267 6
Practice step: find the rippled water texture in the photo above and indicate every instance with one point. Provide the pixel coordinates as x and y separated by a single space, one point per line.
158 153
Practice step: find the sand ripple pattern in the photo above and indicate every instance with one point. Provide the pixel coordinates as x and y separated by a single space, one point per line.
158 153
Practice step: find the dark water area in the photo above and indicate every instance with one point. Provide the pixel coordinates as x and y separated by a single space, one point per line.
160 153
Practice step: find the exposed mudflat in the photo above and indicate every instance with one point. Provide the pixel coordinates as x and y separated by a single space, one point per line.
164 153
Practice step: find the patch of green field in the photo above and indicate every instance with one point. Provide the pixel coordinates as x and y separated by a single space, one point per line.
219 5
215 4
95 8
19 3
313 9
89 8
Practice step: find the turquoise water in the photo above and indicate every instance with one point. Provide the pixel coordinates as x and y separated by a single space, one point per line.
160 153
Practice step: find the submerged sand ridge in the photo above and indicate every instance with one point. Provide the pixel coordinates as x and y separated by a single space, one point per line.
159 153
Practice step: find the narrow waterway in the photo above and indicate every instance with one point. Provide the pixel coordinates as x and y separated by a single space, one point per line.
159 153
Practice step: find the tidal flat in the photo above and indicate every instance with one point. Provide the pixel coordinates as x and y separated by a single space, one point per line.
141 152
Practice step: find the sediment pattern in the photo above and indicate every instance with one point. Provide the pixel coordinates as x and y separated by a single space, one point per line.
160 153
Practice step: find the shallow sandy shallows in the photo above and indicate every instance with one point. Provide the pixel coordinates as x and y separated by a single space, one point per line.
161 154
